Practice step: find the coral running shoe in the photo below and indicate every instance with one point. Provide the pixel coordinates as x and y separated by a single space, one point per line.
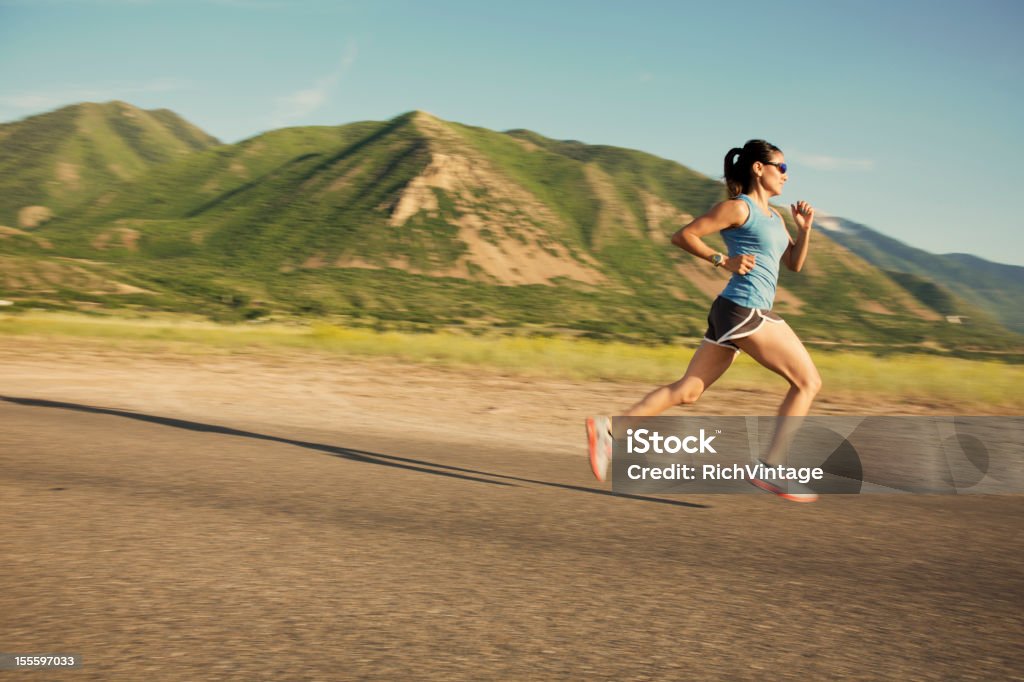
599 442
787 490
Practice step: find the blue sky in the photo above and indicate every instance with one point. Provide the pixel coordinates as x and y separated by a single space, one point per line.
901 115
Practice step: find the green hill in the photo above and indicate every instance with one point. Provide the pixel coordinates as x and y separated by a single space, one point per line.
419 222
52 162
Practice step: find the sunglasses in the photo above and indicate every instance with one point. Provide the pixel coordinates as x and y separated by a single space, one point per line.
781 166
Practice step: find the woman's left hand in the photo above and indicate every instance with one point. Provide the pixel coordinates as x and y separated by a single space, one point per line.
803 214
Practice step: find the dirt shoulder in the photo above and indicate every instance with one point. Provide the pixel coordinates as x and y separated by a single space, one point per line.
370 395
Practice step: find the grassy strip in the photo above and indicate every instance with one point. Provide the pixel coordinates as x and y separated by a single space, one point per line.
965 383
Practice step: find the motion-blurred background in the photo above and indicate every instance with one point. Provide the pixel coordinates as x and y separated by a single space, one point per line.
223 167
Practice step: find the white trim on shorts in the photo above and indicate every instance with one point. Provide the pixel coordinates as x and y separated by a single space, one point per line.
746 334
727 336
723 345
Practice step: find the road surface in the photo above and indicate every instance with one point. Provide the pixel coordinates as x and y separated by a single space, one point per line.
213 547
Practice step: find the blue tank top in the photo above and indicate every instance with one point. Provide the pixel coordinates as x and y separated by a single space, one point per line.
762 236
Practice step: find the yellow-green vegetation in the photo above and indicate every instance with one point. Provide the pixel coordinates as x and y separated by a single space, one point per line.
966 384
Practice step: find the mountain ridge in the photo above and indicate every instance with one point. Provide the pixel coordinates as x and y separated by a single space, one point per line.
997 289
422 221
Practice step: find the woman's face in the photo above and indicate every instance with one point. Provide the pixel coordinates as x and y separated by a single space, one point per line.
772 177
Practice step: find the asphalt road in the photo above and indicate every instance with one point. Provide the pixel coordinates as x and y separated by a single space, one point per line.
187 550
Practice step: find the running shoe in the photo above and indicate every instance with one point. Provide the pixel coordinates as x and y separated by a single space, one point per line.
599 442
787 490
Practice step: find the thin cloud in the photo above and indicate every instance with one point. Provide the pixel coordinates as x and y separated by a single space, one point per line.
824 162
42 100
304 102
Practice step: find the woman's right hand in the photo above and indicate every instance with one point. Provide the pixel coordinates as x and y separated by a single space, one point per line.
741 264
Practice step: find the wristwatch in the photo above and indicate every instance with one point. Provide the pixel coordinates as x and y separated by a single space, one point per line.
717 260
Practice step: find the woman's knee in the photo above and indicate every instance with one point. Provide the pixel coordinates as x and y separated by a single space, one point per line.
807 382
688 398
685 394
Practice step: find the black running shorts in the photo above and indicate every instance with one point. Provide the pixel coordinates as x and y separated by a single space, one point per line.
728 321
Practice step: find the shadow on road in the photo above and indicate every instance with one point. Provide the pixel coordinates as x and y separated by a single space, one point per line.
362 456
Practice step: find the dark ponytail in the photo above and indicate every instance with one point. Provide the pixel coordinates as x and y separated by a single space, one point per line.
739 164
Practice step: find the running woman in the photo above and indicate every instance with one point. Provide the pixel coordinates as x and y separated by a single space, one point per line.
741 317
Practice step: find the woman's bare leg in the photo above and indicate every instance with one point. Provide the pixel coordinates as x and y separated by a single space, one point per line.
778 348
708 364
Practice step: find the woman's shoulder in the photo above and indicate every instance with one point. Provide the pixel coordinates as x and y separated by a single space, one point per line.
734 209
